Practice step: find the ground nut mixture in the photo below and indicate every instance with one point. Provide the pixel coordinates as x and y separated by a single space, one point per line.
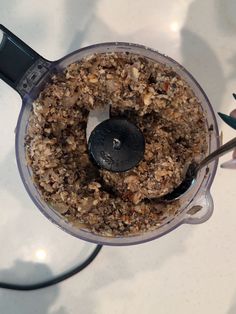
150 95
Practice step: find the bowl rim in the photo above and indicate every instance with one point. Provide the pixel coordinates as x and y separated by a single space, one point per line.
87 235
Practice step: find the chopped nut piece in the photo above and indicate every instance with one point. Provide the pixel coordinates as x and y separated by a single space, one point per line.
135 73
147 99
94 186
92 78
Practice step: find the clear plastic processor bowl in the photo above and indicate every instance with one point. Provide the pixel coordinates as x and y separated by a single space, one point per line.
196 204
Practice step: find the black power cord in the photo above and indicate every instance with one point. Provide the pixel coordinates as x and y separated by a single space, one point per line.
55 280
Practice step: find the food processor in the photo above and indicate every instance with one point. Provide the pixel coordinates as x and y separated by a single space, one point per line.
27 72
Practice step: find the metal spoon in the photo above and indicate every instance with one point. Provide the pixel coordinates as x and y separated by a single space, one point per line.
193 169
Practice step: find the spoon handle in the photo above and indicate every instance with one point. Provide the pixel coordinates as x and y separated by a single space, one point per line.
219 152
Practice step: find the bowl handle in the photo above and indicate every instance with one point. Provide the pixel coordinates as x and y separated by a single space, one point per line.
200 210
20 66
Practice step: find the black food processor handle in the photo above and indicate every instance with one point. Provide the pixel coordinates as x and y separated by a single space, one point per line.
20 66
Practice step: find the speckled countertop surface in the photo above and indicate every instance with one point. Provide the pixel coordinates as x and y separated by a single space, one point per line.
191 270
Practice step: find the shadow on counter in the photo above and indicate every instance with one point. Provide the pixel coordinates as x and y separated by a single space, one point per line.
232 309
198 56
38 301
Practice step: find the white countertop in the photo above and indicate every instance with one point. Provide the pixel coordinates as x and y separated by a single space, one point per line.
192 269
